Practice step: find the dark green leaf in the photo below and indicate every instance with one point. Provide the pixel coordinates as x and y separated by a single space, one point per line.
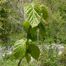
34 51
28 58
44 11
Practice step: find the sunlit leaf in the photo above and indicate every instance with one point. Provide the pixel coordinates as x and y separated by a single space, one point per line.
19 48
44 12
34 13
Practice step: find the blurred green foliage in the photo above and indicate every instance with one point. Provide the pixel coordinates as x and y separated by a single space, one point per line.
53 30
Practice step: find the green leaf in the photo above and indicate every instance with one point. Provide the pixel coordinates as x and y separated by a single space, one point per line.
42 31
34 13
28 58
3 13
44 11
26 24
1 24
2 1
19 49
34 34
34 51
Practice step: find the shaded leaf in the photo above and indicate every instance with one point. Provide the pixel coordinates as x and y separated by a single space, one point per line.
44 12
1 24
34 51
28 58
40 34
42 31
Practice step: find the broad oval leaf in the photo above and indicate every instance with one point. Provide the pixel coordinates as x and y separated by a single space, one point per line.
19 49
34 13
34 51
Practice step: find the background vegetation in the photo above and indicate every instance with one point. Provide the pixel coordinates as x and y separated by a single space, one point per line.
50 40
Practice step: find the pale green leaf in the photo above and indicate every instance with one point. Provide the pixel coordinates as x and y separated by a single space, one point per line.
19 48
32 16
34 13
